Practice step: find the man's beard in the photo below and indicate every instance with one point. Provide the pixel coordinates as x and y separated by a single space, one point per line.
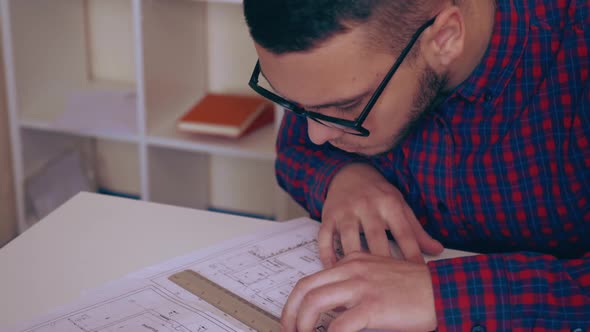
427 98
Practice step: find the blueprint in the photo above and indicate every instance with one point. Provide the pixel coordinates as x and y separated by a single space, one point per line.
262 268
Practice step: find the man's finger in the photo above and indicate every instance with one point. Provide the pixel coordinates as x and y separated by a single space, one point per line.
326 245
352 320
304 286
427 244
345 294
405 239
350 237
362 256
377 238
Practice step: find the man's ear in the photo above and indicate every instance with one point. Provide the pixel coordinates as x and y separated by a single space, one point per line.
443 41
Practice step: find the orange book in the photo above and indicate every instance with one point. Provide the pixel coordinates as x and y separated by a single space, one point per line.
227 115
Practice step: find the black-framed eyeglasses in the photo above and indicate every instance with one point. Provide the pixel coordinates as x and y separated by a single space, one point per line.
353 127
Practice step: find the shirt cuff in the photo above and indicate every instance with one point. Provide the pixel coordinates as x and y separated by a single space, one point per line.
470 294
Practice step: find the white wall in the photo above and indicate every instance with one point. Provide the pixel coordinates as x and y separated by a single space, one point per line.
7 199
112 59
231 60
231 57
231 53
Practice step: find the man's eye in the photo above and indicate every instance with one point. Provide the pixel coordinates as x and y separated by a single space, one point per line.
348 108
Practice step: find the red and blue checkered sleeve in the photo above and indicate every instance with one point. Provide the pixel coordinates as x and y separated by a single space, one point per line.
512 292
304 170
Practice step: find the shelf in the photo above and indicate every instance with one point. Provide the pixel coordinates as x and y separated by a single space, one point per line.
61 60
99 109
221 1
259 144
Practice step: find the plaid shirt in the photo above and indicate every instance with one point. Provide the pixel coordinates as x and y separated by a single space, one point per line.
501 167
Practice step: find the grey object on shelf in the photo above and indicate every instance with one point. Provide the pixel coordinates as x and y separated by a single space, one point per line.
56 182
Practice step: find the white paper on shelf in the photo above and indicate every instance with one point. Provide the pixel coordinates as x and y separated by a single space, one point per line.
262 268
105 111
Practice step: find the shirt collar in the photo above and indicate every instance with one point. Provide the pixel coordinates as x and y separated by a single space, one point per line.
508 41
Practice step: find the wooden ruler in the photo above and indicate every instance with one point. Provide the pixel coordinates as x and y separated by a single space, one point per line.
226 301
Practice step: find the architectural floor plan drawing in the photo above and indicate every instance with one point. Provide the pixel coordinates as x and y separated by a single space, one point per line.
262 268
263 272
144 309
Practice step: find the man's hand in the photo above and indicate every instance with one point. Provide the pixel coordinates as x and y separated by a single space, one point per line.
373 292
360 199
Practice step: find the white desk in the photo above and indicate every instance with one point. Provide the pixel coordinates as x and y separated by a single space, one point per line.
93 239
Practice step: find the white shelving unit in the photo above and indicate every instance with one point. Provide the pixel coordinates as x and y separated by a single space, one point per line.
51 62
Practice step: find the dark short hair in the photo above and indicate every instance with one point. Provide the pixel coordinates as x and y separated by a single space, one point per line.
284 26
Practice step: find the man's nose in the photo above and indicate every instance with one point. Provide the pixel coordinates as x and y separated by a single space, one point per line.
320 134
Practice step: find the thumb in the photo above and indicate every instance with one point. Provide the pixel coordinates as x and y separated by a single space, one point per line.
427 244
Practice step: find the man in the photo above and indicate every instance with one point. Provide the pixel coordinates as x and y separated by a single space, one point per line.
463 124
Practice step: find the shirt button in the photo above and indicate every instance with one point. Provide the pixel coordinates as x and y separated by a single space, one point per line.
478 328
488 97
439 122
